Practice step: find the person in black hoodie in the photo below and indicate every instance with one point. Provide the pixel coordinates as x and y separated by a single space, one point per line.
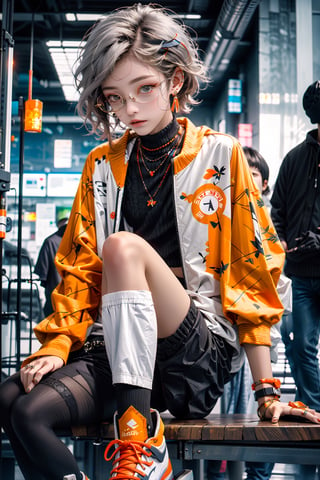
45 267
295 211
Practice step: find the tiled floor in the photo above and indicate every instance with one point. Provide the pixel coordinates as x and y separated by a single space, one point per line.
283 472
280 472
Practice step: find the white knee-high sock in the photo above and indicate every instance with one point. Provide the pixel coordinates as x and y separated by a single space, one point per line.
130 333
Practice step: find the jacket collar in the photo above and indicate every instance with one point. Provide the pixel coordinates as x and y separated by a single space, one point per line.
118 154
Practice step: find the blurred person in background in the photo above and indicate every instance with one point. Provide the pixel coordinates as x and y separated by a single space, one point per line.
296 215
45 267
237 396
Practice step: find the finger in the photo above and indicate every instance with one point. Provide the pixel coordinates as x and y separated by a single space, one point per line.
30 386
274 412
26 375
37 376
276 415
30 376
307 413
28 368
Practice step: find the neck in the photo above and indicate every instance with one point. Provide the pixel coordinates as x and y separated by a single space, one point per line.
161 138
318 133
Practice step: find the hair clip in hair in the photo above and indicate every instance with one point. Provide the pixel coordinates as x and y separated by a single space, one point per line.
164 45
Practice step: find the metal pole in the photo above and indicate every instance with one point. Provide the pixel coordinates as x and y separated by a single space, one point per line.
19 246
6 57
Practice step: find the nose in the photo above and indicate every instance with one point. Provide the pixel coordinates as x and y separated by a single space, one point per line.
131 105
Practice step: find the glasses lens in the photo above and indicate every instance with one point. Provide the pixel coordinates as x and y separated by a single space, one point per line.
103 105
143 94
114 102
148 93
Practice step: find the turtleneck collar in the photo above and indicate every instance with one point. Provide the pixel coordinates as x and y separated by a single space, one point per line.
162 137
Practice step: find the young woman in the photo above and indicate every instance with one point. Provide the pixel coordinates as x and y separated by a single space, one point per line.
168 264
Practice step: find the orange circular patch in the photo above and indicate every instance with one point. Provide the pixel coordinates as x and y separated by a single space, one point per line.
208 200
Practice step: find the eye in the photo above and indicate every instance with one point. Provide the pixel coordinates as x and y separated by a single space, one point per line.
113 98
145 89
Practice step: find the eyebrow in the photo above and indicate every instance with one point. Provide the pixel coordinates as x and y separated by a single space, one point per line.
134 80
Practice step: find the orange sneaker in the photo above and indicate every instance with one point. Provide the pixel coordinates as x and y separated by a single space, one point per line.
135 455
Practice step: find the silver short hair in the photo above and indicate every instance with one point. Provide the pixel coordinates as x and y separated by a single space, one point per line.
153 36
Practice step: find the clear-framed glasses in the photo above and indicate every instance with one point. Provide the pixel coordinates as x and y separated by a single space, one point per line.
113 102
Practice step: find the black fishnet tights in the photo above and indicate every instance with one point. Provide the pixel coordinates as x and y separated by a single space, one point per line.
30 421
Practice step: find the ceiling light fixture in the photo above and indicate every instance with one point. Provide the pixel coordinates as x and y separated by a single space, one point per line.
83 17
64 56
188 16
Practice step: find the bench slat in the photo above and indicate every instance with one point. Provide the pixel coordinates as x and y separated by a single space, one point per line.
217 427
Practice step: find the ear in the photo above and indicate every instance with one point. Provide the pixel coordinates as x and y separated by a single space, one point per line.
264 186
177 81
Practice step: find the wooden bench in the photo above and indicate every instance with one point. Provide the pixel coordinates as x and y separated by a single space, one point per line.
235 437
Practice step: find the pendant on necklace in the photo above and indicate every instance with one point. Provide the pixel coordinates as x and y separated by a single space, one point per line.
151 172
151 202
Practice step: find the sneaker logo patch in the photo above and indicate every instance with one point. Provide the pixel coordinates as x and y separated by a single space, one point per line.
132 424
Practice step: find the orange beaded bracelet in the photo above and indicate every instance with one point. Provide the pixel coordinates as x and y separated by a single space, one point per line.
275 382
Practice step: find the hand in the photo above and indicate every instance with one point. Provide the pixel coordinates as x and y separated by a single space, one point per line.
32 373
273 410
284 245
307 245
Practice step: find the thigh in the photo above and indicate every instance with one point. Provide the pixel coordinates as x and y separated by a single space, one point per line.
81 392
10 390
130 263
85 384
192 367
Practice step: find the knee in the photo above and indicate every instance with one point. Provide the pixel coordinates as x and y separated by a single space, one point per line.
5 407
5 403
22 415
120 249
8 396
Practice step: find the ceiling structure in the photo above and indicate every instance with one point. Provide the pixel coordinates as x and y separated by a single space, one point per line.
222 33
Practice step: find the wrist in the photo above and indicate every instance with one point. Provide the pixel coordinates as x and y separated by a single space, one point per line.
269 398
266 389
266 392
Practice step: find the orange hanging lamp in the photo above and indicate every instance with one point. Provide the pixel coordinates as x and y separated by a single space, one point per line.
32 107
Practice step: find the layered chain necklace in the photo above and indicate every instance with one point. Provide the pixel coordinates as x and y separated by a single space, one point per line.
164 159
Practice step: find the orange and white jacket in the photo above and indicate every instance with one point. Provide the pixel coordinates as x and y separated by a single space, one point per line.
231 255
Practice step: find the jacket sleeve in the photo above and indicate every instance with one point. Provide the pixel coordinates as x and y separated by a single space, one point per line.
279 202
254 258
77 297
42 265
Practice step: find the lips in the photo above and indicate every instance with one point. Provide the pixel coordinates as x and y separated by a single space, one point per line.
137 123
